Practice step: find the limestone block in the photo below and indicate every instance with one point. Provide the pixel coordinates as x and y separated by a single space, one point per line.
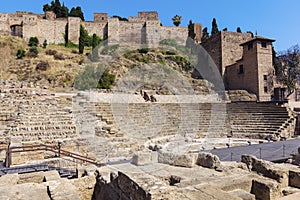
34 177
9 179
144 158
294 178
51 175
242 194
32 191
267 168
266 189
208 160
182 160
62 189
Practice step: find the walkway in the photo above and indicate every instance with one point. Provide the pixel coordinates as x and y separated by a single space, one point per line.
273 151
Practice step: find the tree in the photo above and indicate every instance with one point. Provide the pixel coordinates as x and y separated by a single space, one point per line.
287 67
205 34
214 27
82 39
76 12
96 40
238 29
177 20
191 30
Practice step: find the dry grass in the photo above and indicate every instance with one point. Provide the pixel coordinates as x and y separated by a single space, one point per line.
61 73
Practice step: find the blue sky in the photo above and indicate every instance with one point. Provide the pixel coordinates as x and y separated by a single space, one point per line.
276 19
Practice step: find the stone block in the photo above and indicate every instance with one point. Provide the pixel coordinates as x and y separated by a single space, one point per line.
144 158
294 178
208 160
242 194
267 169
51 175
266 189
182 160
34 177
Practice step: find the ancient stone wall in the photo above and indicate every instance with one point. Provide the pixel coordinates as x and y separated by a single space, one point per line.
74 29
148 15
100 17
179 34
213 46
131 32
144 29
231 49
97 28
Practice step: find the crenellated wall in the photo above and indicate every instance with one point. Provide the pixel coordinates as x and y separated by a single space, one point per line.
143 29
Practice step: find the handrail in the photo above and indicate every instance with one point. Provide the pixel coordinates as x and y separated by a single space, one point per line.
54 149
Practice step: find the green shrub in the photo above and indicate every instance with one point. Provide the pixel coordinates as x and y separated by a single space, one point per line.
33 52
143 50
45 44
106 81
20 53
169 53
33 42
94 77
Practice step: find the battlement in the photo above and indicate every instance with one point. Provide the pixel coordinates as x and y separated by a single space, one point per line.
148 15
100 17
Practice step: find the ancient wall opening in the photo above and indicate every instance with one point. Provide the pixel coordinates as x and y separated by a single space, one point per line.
16 30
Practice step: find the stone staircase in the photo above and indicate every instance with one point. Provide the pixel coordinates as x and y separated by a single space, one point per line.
259 120
34 115
47 118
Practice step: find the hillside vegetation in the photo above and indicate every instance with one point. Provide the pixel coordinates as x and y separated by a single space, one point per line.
58 67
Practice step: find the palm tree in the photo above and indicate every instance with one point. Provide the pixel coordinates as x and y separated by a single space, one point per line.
176 20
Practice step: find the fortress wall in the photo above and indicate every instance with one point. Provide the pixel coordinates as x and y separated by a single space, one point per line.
30 27
52 31
153 32
74 29
97 28
113 30
231 49
4 25
131 32
179 34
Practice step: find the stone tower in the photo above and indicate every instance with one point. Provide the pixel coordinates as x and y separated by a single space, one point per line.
254 71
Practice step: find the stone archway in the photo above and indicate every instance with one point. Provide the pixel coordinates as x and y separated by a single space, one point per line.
16 30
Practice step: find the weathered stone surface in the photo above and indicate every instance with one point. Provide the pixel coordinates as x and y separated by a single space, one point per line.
51 176
62 189
242 194
182 160
266 189
267 169
9 179
144 158
32 191
34 177
294 178
85 186
208 160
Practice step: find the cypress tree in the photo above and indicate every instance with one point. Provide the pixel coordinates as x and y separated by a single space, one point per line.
82 39
214 27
